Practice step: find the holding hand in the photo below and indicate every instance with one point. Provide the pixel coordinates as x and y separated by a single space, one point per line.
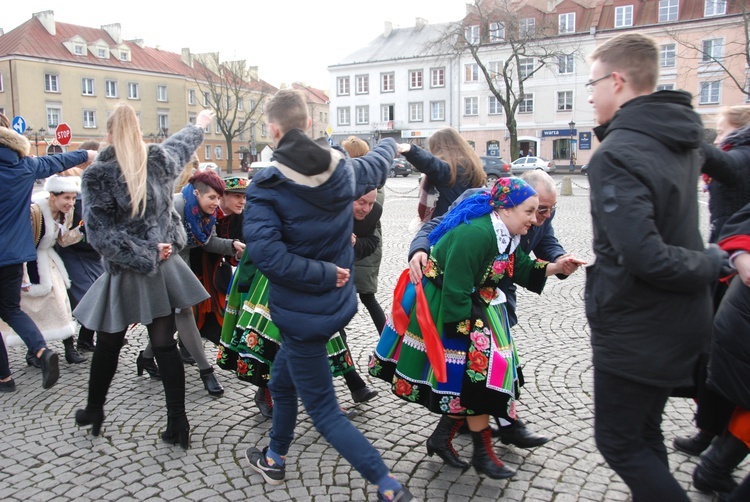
239 247
417 262
165 250
404 147
92 155
205 118
566 264
342 276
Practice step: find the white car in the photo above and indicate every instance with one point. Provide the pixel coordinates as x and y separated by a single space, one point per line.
524 164
210 166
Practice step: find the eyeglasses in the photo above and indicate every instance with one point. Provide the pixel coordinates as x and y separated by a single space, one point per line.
546 210
591 83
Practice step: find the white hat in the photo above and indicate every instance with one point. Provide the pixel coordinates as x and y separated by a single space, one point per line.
60 184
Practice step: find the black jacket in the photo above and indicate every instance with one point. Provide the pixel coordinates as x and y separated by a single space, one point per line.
648 293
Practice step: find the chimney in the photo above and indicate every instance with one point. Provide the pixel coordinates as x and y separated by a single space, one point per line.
115 31
2 32
47 18
388 29
420 23
186 57
253 72
138 42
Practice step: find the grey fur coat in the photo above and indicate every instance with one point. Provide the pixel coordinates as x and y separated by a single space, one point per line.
126 242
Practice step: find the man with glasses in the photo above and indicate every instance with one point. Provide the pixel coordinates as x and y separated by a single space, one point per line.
540 240
648 298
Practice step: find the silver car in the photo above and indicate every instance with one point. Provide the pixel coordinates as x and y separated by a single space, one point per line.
524 164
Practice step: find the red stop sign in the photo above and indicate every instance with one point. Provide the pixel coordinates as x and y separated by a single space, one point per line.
63 134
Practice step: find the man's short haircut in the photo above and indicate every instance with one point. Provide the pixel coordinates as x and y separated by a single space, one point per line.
539 181
635 55
288 110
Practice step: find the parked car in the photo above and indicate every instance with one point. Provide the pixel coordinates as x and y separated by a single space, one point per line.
400 167
524 164
585 169
255 168
496 168
210 166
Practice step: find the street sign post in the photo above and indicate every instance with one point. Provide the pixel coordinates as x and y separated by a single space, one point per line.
63 134
19 124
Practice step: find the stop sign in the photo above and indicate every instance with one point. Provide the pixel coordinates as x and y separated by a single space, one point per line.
63 134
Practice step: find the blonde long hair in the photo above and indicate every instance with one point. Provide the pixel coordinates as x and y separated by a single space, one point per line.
131 154
448 145
188 170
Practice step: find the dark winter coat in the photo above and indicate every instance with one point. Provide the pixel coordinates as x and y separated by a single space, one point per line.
729 169
729 363
438 172
298 229
18 171
131 242
367 266
648 297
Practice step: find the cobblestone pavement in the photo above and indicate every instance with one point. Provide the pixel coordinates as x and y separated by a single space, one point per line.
46 457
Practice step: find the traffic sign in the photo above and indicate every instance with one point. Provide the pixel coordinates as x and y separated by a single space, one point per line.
63 134
19 124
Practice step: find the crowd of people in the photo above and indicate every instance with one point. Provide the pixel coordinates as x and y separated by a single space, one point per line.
133 233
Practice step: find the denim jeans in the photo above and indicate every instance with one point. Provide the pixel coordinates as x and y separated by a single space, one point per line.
302 368
11 277
627 430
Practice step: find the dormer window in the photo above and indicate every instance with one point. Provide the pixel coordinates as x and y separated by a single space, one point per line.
79 50
101 53
124 56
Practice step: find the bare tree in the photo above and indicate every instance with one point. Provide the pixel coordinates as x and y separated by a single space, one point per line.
235 94
728 51
493 27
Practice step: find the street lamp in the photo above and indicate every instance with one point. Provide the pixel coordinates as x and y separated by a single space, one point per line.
39 132
572 130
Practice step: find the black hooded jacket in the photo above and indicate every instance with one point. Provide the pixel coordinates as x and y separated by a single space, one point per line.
648 293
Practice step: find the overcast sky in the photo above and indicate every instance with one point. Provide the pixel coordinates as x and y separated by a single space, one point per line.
289 40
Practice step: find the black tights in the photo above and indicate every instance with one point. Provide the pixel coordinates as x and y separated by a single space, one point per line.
375 310
107 354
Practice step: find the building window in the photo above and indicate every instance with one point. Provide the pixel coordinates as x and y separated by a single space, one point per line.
713 50
134 90
363 84
526 27
437 110
207 152
665 87
494 106
623 16
218 152
206 98
101 52
2 110
387 83
342 86
252 105
471 106
386 113
527 67
1 84
161 93
163 119
437 77
668 10
343 116
110 88
87 86
567 23
124 56
564 101
191 96
217 127
527 104
472 34
668 55
363 114
415 79
264 130
497 32
495 68
89 119
228 101
416 112
715 8
710 93
566 64
51 82
79 50
241 105
54 116
471 72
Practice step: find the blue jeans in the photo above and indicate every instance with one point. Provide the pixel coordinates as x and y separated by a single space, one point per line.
11 277
302 368
627 430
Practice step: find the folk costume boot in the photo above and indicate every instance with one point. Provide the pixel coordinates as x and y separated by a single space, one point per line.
264 402
714 472
484 459
440 442
173 378
103 369
71 354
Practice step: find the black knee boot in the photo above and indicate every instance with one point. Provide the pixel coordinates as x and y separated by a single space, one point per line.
440 442
714 472
173 377
103 368
71 354
484 459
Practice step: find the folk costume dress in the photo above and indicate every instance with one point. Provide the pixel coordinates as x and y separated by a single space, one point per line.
462 361
250 339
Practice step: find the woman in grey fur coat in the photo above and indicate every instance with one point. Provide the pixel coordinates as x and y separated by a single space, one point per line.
130 220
